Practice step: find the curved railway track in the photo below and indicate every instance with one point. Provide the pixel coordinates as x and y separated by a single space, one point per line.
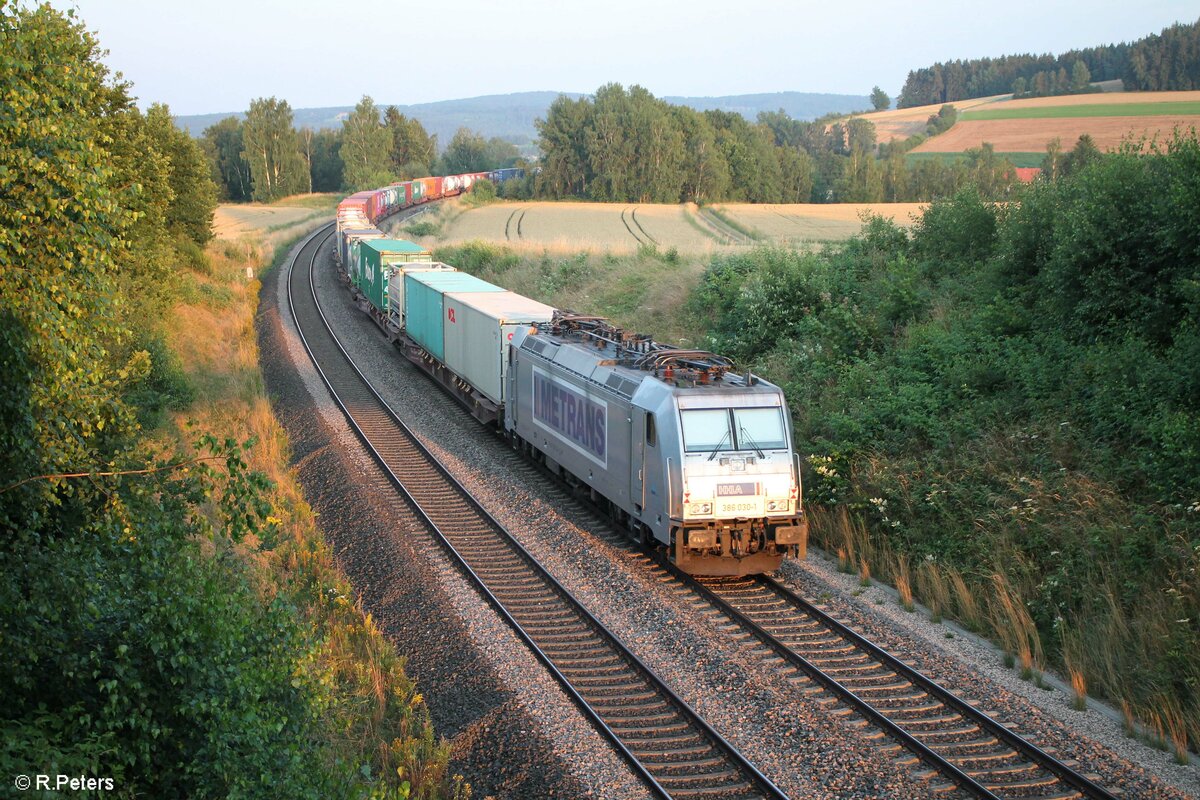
666 742
970 749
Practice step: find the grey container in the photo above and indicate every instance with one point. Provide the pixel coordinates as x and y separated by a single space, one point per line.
478 330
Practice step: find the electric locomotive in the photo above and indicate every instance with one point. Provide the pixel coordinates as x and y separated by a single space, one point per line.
682 450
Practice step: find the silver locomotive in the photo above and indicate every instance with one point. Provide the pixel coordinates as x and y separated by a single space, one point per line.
682 450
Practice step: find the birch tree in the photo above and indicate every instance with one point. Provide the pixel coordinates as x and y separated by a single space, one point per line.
366 148
270 149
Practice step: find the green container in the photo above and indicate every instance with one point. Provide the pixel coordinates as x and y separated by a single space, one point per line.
377 257
424 305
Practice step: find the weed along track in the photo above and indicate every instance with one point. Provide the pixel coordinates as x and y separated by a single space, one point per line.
666 742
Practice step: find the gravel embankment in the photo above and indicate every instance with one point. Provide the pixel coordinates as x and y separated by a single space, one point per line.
513 732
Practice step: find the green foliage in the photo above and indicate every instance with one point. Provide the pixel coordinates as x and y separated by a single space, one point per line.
879 99
482 192
478 257
628 146
193 192
942 121
412 149
142 642
423 228
322 152
223 145
366 148
1019 383
956 232
270 148
467 152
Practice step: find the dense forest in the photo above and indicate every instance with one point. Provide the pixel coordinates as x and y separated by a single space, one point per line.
264 157
629 146
160 626
1168 61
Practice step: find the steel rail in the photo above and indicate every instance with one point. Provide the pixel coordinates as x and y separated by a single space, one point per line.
754 780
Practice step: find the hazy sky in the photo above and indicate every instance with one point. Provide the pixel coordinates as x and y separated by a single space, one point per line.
204 56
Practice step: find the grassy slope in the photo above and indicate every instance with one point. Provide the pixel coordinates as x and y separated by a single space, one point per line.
375 715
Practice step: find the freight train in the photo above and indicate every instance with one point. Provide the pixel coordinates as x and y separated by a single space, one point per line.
682 450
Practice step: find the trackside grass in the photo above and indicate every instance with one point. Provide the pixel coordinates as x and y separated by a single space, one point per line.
371 714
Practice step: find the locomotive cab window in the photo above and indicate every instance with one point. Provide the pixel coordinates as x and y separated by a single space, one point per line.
651 431
706 430
759 427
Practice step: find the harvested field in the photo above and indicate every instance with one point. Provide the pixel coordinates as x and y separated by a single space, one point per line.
1102 98
234 220
624 227
1031 135
901 123
814 222
1085 110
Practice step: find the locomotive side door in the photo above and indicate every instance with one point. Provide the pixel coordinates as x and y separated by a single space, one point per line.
637 458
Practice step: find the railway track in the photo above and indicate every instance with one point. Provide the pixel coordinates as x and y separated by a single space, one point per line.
966 747
664 740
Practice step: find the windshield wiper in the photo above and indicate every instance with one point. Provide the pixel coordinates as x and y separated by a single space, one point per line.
742 432
713 454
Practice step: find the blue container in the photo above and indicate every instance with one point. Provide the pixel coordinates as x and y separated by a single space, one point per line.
424 305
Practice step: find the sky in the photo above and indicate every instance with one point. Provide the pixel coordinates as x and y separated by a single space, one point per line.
210 56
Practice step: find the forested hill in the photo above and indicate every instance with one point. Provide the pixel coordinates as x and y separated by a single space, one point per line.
1168 61
511 116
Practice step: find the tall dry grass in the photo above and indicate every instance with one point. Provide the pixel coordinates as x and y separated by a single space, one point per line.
966 603
903 580
1014 625
376 715
933 589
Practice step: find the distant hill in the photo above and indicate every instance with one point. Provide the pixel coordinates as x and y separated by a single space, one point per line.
511 116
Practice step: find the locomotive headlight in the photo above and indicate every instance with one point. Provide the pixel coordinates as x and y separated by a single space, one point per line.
779 504
699 509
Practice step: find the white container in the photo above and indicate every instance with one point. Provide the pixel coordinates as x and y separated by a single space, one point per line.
479 328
